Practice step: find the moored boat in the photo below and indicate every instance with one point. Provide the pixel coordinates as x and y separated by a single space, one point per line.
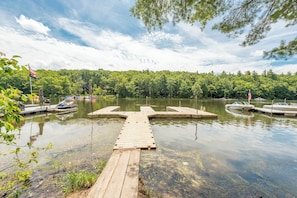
240 106
66 104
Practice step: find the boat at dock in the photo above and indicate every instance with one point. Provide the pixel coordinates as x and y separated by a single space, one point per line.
240 106
66 104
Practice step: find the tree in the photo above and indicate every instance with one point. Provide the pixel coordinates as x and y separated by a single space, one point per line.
9 118
8 102
252 17
196 89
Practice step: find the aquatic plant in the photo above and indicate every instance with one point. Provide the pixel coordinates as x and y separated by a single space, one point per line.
77 180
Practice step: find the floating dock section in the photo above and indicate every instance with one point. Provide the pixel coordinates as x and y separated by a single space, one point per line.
136 133
119 178
275 112
36 109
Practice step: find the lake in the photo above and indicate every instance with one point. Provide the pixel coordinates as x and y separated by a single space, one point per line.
236 155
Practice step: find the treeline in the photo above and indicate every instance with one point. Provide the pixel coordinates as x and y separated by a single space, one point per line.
267 85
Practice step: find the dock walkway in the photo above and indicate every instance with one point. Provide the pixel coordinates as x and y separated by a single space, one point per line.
136 133
119 178
36 109
276 112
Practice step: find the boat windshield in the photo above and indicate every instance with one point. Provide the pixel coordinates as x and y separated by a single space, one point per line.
239 103
282 103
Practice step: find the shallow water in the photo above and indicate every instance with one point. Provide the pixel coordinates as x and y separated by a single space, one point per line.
208 159
236 155
233 156
78 144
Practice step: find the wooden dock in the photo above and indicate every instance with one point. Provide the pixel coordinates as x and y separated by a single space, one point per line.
36 109
119 178
275 112
136 133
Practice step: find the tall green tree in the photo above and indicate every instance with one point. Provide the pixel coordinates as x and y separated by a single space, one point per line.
253 18
11 183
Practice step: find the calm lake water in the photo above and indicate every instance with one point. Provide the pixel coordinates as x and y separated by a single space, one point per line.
236 155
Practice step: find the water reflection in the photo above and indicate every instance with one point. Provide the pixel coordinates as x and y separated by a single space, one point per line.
228 160
196 132
78 144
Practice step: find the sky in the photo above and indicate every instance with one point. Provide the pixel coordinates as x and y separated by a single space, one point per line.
88 34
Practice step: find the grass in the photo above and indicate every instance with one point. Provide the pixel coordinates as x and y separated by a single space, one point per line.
78 180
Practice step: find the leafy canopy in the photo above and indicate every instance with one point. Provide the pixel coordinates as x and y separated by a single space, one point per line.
250 17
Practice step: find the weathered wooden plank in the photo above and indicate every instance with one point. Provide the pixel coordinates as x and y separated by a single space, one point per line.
116 182
99 188
187 110
130 187
34 110
276 112
147 109
136 133
106 112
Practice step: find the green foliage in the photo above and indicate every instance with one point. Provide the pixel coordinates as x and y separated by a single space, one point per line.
13 183
283 51
252 17
162 84
9 97
77 181
74 181
156 13
196 89
8 64
101 166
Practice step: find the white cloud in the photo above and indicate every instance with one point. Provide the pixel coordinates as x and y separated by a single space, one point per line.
158 36
124 53
32 25
188 49
114 40
257 53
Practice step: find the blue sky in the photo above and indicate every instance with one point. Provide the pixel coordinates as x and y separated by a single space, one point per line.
85 34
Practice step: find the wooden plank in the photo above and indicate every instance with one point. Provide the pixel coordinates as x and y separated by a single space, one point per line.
147 109
105 111
99 188
172 112
34 110
130 188
136 133
116 182
276 112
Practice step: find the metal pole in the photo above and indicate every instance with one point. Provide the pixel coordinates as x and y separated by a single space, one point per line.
31 89
196 104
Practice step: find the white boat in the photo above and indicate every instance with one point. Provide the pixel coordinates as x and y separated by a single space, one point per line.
66 104
281 106
240 106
